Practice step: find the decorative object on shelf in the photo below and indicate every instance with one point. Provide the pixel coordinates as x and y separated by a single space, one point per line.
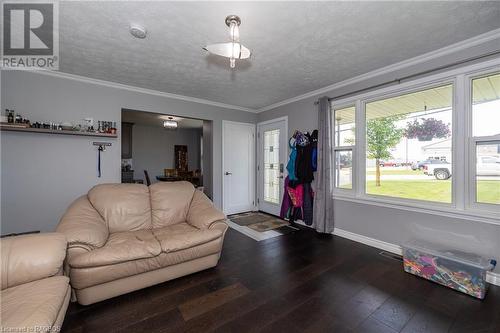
427 129
24 128
17 122
10 116
233 49
101 147
170 123
181 157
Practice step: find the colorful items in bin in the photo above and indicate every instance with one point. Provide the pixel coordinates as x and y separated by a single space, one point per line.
449 268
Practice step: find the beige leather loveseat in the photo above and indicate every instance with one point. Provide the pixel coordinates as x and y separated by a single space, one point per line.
35 294
124 237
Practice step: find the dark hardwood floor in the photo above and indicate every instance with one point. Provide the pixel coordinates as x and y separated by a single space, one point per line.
300 282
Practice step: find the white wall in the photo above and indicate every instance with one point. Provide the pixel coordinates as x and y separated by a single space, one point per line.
42 174
394 225
153 149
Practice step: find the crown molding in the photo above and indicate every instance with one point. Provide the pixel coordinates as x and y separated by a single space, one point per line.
140 90
450 49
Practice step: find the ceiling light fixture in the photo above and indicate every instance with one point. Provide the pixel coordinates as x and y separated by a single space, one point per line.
233 49
170 123
138 31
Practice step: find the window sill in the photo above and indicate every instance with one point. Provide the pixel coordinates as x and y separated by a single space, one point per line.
424 207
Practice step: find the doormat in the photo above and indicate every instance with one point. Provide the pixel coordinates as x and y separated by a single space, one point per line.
246 219
268 225
259 226
258 221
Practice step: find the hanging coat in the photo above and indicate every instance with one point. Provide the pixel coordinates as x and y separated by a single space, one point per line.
286 204
303 165
290 167
307 204
314 142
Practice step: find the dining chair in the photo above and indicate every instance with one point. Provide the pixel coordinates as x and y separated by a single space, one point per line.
146 175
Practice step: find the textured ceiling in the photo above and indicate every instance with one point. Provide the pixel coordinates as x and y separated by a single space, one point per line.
297 46
156 120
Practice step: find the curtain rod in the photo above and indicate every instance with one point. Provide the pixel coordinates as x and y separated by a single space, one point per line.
404 78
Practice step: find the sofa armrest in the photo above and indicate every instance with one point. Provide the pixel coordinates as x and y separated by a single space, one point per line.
83 226
32 257
221 225
202 213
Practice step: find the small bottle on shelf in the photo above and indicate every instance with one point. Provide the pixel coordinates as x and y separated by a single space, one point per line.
10 116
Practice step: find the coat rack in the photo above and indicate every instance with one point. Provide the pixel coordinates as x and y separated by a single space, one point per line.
101 147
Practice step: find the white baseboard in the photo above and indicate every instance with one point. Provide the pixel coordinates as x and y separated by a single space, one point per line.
389 247
491 277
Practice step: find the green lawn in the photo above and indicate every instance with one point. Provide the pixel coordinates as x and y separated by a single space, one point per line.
431 189
488 191
396 172
434 190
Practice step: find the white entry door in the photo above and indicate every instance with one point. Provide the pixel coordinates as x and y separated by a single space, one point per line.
272 154
238 167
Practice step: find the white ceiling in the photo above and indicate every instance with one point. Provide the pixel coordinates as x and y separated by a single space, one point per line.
297 46
156 120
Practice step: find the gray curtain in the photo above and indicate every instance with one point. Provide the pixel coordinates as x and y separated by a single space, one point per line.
323 201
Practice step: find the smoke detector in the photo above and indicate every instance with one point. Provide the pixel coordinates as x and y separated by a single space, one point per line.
138 31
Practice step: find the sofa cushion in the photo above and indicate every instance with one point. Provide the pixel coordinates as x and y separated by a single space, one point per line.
170 202
120 247
82 224
183 236
86 277
33 304
31 257
124 207
202 212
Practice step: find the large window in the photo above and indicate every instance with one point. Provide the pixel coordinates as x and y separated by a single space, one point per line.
432 144
409 145
344 141
486 138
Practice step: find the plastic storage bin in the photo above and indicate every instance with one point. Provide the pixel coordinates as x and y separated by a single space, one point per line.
458 270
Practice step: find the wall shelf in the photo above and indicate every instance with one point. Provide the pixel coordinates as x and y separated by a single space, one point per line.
50 131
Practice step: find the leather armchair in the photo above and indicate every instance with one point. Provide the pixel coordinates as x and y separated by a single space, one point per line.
35 294
123 237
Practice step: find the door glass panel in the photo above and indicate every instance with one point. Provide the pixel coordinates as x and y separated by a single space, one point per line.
271 166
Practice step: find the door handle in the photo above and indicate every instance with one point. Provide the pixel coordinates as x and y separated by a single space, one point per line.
228 173
280 177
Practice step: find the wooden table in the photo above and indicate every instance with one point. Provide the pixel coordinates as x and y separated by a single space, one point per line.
169 178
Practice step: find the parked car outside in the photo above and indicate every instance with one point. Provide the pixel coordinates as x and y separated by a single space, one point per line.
441 171
486 166
420 165
393 163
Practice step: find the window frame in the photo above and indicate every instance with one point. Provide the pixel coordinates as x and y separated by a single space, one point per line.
336 149
411 90
463 184
472 142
